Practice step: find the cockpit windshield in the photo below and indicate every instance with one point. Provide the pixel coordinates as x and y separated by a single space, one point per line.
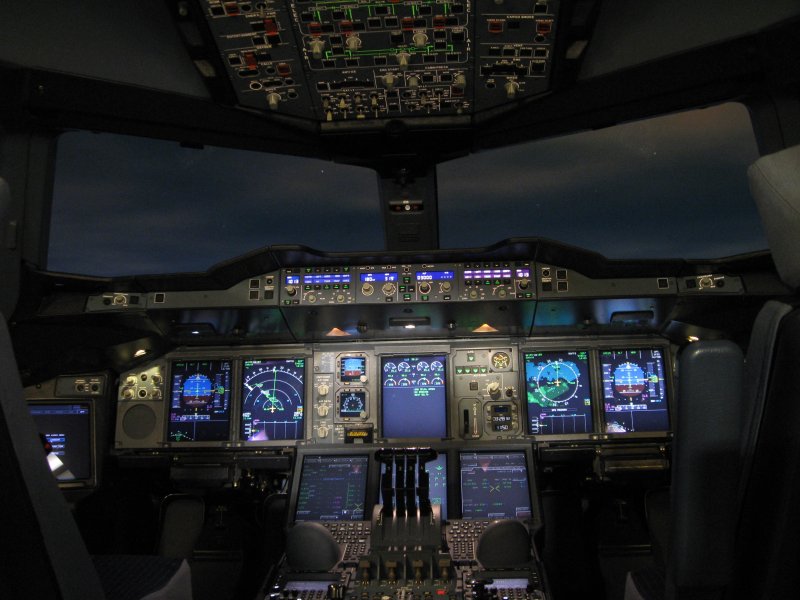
673 186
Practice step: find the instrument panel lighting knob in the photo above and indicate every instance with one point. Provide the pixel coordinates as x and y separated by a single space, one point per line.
273 100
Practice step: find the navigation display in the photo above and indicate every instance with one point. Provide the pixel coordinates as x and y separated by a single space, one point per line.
559 392
272 399
414 396
352 404
352 369
437 482
634 390
494 485
200 401
332 488
68 430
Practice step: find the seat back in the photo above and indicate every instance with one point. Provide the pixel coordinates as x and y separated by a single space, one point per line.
43 553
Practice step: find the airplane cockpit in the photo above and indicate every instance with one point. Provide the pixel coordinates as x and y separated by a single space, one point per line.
399 299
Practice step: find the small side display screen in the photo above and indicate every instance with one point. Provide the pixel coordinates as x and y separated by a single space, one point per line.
68 430
200 401
414 397
272 399
559 392
332 488
352 403
437 482
352 369
494 485
634 390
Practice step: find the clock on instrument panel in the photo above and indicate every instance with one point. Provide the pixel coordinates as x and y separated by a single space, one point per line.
501 360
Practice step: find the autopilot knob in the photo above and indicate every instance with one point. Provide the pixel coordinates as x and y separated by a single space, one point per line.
291 290
389 288
425 288
493 389
367 289
445 286
523 284
311 298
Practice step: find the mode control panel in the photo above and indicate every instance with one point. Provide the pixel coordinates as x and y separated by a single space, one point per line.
486 381
343 397
496 281
317 285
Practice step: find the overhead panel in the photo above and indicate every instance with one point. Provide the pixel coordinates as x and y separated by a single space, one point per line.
360 61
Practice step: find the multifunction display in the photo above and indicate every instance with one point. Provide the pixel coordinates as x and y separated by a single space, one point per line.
67 428
559 392
414 396
494 485
634 390
272 399
200 401
332 488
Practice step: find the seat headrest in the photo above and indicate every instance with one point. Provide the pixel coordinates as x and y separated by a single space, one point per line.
775 185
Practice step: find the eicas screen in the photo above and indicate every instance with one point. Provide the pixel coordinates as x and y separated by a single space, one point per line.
634 390
414 396
272 399
559 392
332 488
494 485
67 428
200 401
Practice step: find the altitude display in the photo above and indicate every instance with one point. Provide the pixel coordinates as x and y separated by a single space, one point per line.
332 488
352 369
494 485
559 392
200 401
437 482
272 399
414 396
67 428
352 404
634 391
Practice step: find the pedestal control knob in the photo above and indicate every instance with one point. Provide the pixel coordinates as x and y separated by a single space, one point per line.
511 87
403 58
425 288
389 81
353 42
322 410
460 82
323 431
317 46
273 100
389 288
493 389
413 81
291 290
367 289
323 389
127 393
419 39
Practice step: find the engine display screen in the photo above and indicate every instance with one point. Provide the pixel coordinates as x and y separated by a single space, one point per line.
68 430
634 390
414 396
559 392
200 401
494 485
272 399
352 369
332 488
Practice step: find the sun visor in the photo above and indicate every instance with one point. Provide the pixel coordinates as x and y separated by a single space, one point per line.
775 185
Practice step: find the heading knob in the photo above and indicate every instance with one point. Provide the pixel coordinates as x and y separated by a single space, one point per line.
389 288
367 289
